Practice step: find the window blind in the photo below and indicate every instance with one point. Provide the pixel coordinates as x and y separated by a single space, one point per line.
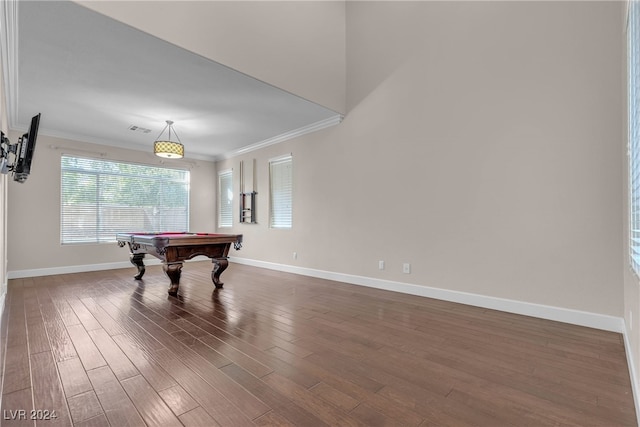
225 199
281 192
633 53
100 198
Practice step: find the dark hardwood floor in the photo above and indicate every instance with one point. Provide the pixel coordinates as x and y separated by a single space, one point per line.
271 348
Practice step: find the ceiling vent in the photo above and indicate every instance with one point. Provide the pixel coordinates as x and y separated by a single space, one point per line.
139 129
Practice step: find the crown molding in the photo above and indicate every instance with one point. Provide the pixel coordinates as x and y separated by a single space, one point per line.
9 50
313 127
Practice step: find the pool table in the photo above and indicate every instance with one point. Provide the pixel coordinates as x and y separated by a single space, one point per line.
173 248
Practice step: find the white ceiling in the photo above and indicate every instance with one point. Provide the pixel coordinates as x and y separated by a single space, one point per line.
92 78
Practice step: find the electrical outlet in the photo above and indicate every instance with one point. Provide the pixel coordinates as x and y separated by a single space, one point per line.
295 255
406 268
381 265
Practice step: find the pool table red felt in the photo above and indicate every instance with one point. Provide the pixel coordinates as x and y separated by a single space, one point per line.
173 248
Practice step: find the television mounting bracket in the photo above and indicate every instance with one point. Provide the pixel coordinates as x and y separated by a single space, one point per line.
6 149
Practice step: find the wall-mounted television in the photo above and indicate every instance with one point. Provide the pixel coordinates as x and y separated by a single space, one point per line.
17 158
24 154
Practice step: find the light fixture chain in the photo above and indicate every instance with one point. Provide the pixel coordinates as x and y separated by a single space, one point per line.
176 135
163 129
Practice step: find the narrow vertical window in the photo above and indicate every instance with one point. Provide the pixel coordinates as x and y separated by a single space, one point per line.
281 192
633 75
225 199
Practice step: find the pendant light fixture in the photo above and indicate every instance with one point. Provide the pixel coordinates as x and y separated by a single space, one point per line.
167 148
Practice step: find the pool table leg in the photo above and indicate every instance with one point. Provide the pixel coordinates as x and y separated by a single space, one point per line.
219 265
137 260
173 271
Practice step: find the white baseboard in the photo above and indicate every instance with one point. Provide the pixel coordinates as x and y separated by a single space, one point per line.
20 274
560 314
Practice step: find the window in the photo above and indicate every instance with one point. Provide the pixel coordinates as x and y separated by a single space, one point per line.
633 53
281 192
100 198
225 199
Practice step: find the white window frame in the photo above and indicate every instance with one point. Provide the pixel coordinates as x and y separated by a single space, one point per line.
225 198
281 192
94 206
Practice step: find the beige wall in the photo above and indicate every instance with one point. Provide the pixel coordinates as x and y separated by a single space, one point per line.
482 144
34 207
297 46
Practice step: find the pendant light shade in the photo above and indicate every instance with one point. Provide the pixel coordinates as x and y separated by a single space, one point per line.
167 148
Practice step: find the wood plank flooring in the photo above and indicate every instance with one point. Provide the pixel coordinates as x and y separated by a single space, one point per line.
278 349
